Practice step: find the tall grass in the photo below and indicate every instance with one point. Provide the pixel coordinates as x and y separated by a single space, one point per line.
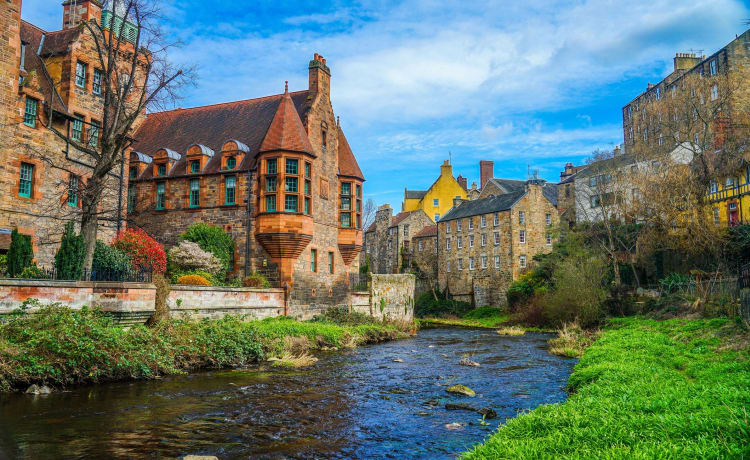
645 389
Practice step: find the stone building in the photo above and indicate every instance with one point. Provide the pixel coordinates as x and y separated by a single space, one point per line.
275 172
485 244
388 241
438 198
51 78
424 251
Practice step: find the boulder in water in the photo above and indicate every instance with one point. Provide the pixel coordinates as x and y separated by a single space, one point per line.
38 390
468 362
454 425
459 406
487 413
460 390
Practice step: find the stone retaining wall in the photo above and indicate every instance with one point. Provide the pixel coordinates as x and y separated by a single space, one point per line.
392 296
215 302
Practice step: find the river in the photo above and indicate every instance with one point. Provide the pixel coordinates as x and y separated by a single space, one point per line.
351 404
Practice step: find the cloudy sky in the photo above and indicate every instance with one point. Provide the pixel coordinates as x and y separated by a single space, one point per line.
532 83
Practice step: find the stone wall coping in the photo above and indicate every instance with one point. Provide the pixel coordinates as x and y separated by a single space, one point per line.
74 284
224 289
361 292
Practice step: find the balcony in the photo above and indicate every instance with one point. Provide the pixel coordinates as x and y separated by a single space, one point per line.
727 193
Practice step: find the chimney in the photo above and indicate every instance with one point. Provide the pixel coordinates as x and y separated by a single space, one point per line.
319 77
457 201
446 169
685 61
463 182
486 172
617 151
77 11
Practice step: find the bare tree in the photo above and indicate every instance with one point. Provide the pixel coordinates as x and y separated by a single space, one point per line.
131 52
368 213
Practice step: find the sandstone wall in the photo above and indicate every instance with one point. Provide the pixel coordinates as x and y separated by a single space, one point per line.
392 297
216 302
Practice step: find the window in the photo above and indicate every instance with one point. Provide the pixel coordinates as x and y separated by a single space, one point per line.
437 217
270 203
523 261
26 180
484 262
133 172
595 201
324 138
330 262
292 166
448 244
406 230
496 220
471 263
460 264
717 219
81 71
447 227
96 85
522 217
346 188
712 67
346 219
231 163
93 134
661 139
307 188
195 192
230 187
270 184
471 223
549 239
458 225
346 203
390 245
132 198
729 182
290 184
522 237
459 242
313 260
674 90
308 172
497 238
29 116
484 240
307 209
548 219
714 186
195 166
483 221
161 170
471 241
77 134
592 181
161 196
448 266
658 93
73 191
271 166
290 203
497 261
421 245
714 92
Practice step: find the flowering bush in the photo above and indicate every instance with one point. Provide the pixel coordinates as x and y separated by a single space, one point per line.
144 251
256 280
188 256
193 280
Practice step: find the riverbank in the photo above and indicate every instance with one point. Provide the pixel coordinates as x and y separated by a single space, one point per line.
646 389
60 347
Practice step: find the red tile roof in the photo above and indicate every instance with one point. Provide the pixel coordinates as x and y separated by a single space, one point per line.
286 131
430 230
246 121
347 163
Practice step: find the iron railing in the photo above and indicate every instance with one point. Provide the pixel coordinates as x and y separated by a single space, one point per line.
358 282
98 274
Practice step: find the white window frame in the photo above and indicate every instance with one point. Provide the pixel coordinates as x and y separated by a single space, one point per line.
421 245
447 227
549 239
484 262
497 261
471 223
483 221
458 225
471 241
484 240
714 92
447 244
522 261
497 238
459 242
460 263
471 263
496 219
548 219
522 217
522 237
712 67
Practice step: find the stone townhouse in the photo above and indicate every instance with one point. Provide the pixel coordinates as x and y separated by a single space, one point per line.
424 251
485 244
50 78
276 173
388 241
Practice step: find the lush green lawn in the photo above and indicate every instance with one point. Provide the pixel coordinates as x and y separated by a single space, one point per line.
59 346
645 389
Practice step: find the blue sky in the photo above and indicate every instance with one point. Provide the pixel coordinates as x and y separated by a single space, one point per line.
537 82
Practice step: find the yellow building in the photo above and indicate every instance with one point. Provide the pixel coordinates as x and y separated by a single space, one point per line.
730 200
438 199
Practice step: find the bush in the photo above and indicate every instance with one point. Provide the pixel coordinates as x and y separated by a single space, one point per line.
144 252
523 289
427 305
579 292
256 280
3 264
32 272
672 282
212 239
110 259
69 258
20 253
482 312
342 315
188 256
193 280
209 277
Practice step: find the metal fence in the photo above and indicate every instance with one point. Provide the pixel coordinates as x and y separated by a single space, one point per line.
358 282
108 274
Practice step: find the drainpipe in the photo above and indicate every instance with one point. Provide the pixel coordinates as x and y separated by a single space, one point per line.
248 216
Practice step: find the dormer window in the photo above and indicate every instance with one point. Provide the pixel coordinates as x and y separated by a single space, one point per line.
231 163
133 174
195 166
161 170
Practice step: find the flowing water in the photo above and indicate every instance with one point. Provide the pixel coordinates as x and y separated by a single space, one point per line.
352 404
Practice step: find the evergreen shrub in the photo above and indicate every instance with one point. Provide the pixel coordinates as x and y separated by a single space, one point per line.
20 253
70 255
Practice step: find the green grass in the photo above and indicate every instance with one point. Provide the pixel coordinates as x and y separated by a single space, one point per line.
60 347
644 389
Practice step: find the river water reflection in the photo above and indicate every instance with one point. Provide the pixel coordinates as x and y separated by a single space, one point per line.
352 404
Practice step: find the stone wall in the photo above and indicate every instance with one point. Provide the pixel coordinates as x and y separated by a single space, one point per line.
392 297
215 302
128 302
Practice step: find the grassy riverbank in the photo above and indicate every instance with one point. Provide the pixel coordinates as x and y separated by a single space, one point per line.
644 389
485 317
60 347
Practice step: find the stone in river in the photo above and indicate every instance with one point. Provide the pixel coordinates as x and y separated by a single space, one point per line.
487 412
398 360
461 390
39 390
454 425
468 362
459 406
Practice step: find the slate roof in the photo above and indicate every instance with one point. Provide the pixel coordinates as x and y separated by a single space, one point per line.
495 203
550 192
509 185
247 121
415 194
32 36
607 165
347 163
430 230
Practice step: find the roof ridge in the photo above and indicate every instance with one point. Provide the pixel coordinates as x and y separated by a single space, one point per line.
181 109
36 26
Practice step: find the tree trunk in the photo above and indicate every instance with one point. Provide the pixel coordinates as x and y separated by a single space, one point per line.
90 220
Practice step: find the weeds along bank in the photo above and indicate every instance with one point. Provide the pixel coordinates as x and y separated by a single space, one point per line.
60 347
645 389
